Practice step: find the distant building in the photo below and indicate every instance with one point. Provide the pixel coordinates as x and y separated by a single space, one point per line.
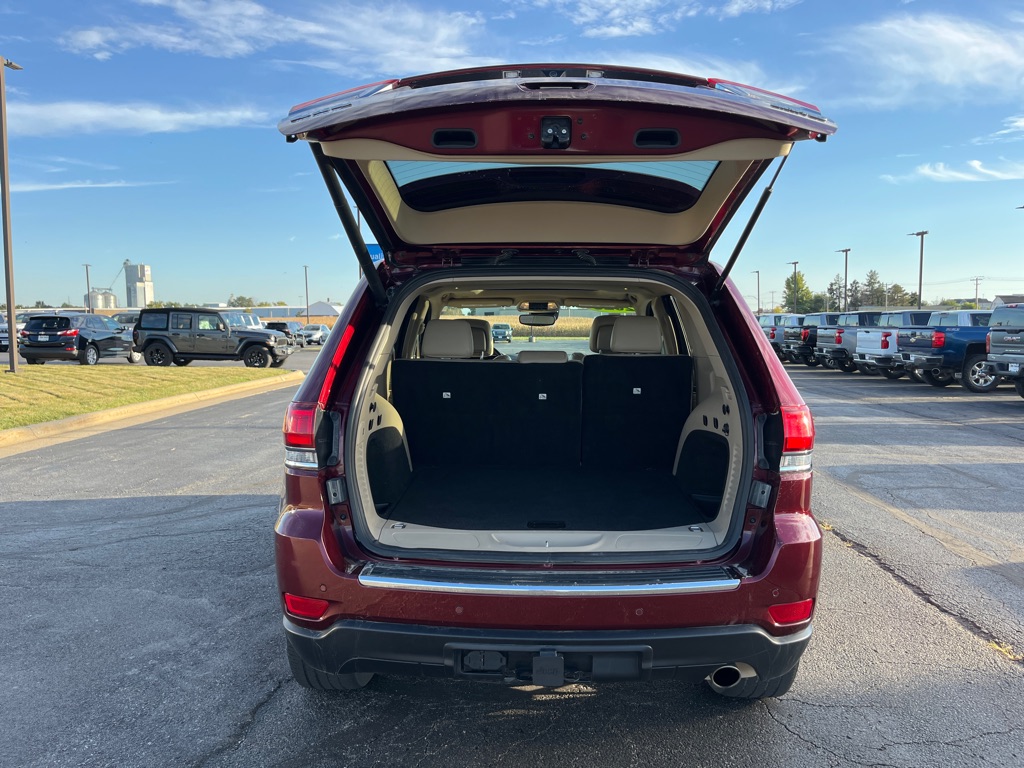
321 309
138 284
100 299
1011 298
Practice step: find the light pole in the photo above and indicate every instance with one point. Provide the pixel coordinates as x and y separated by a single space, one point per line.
758 273
305 268
88 290
5 207
846 277
920 269
793 295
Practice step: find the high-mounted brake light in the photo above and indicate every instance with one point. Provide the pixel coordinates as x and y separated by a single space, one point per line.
885 339
938 340
339 355
313 607
791 613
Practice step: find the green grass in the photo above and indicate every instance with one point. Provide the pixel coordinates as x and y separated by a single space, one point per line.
45 393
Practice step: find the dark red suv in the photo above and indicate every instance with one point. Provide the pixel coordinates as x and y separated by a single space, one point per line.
630 508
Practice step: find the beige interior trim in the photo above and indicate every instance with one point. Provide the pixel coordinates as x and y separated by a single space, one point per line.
553 222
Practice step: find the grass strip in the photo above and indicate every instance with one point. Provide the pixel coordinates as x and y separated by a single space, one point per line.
46 393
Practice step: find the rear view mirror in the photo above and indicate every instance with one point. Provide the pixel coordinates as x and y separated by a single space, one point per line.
539 318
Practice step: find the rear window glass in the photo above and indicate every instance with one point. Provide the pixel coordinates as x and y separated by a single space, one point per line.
1005 316
48 323
664 186
156 321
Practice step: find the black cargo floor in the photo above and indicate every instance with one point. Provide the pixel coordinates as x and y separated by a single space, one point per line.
543 499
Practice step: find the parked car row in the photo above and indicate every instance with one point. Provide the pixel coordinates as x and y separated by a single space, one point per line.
979 349
162 335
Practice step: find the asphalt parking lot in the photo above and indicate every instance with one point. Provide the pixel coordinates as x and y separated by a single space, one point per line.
142 625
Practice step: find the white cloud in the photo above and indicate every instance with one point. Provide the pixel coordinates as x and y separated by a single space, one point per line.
62 117
706 66
740 7
976 170
348 36
933 58
42 187
1013 130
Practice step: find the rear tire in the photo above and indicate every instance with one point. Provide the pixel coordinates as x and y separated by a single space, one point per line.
755 688
940 379
811 361
256 357
182 361
158 353
892 373
915 375
846 366
89 356
134 357
34 361
976 377
308 677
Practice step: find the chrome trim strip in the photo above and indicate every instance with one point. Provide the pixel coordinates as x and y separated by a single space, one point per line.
368 579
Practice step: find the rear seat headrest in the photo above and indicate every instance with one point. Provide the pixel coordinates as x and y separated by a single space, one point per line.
448 339
543 356
636 336
483 343
601 333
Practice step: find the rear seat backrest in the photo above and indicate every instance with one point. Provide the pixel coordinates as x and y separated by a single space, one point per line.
635 400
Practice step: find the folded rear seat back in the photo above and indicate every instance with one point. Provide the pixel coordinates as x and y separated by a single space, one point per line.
635 400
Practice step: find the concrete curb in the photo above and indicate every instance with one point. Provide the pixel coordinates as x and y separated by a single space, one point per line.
51 428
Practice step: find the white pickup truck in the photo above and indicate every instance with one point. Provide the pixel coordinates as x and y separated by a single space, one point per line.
877 348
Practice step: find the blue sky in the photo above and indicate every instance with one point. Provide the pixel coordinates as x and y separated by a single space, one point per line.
145 130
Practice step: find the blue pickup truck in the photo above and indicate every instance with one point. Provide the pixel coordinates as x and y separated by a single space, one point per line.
951 347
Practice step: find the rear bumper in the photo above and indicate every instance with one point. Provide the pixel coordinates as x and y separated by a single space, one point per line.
835 353
1000 368
882 361
59 353
353 645
923 361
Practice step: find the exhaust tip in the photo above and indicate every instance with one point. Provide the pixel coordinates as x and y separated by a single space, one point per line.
726 677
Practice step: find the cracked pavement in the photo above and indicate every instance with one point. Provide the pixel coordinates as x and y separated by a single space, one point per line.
142 625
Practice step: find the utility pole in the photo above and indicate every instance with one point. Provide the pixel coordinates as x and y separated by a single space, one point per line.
772 293
793 295
846 277
88 290
976 281
5 211
305 268
758 273
920 269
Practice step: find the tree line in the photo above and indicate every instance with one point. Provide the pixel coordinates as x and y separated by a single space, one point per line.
798 296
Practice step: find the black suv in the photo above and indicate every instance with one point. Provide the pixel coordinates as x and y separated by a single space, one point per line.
290 328
73 336
1004 344
181 335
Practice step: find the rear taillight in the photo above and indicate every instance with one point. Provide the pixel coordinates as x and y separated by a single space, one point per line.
72 332
798 438
805 334
299 444
315 607
771 333
839 335
938 340
885 339
790 613
23 334
988 343
339 355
